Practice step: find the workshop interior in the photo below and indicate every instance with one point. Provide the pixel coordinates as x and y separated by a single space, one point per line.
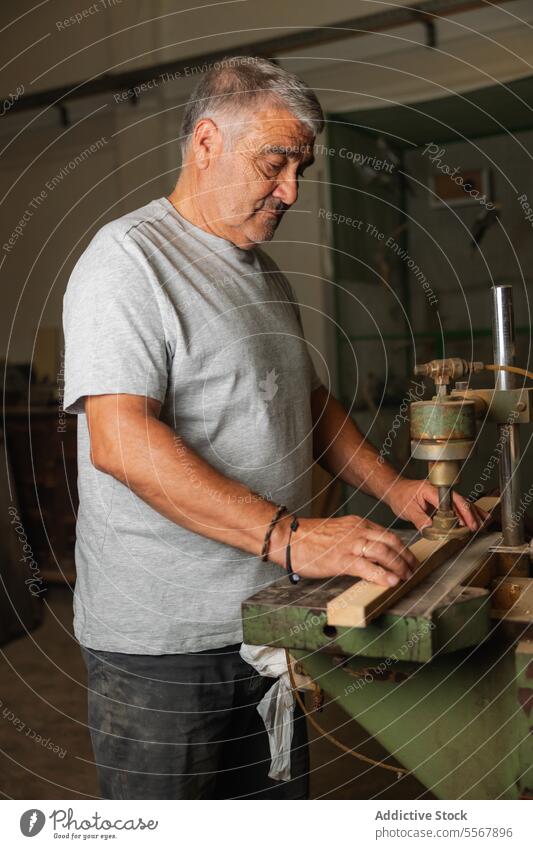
410 251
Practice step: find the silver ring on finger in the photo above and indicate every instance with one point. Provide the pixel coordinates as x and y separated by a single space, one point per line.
363 550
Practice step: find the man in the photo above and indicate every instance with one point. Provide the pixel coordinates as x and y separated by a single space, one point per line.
199 414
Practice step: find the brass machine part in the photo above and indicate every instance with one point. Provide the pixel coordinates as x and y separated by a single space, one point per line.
443 432
444 474
507 405
443 372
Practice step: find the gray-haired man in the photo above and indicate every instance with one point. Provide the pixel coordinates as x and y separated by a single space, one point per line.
198 407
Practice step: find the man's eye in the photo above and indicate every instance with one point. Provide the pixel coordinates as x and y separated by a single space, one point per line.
272 168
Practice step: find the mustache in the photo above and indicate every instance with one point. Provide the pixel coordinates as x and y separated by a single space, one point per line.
273 206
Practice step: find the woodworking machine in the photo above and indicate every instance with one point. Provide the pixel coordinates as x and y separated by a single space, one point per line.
443 430
440 669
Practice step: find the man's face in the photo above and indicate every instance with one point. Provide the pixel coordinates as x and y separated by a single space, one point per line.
254 178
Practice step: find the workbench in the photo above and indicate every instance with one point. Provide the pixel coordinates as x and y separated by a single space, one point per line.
443 679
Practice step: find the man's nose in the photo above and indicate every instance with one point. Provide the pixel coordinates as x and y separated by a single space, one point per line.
287 191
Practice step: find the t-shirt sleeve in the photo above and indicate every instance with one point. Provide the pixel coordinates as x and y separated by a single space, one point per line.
115 324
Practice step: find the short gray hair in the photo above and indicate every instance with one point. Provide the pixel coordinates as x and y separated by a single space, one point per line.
239 82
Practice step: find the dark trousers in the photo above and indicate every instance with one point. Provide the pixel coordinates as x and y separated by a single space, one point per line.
185 726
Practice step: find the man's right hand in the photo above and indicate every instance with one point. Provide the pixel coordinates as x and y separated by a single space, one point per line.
348 545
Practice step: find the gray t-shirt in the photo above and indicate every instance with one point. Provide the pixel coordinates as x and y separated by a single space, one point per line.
158 307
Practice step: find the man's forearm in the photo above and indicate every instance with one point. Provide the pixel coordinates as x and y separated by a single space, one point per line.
130 443
147 456
340 447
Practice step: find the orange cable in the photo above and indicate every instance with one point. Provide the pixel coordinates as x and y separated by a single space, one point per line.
396 769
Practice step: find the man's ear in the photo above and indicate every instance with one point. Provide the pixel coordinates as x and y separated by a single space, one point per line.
206 142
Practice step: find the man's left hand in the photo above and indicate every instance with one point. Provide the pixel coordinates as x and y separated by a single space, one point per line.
413 501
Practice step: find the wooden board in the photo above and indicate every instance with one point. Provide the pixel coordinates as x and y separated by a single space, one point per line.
451 576
362 602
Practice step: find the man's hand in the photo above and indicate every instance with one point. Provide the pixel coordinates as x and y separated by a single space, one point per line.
348 545
413 500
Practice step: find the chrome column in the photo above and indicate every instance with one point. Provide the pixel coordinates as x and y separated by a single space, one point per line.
509 437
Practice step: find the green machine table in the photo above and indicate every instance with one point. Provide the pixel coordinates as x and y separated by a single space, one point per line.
443 679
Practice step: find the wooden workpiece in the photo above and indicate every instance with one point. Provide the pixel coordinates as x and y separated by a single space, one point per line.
363 601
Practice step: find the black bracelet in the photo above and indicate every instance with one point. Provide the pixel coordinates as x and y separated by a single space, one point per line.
293 576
